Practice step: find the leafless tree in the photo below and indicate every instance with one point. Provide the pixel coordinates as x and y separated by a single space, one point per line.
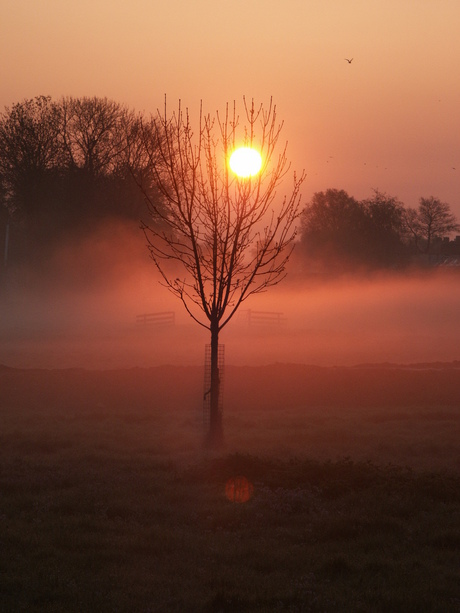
231 236
94 132
433 218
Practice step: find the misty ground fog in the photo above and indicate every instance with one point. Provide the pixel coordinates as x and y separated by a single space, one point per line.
79 310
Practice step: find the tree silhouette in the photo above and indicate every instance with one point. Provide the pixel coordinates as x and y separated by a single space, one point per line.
30 151
340 233
67 167
95 133
385 230
231 237
333 229
433 218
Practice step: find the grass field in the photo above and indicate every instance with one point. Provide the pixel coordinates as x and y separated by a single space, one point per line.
109 503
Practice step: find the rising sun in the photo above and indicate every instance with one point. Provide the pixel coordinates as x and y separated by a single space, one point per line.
245 162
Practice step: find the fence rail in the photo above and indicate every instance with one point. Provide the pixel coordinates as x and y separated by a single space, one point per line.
272 318
165 318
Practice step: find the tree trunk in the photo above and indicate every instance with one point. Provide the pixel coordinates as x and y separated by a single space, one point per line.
216 434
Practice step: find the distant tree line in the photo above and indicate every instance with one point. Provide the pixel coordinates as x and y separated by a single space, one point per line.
339 232
68 165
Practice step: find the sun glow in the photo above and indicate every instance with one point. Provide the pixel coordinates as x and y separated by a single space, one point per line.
245 162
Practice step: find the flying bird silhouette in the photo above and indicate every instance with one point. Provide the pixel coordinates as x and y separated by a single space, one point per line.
349 61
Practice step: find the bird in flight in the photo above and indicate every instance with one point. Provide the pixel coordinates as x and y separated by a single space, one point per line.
349 61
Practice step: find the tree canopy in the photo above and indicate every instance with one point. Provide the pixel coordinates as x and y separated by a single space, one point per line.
67 165
433 219
228 235
342 233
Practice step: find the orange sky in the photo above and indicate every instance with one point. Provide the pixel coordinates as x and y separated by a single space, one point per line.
390 120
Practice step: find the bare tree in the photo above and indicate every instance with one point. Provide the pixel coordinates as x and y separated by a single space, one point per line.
231 236
433 218
94 133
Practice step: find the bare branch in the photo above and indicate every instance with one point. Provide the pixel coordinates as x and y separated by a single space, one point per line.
232 237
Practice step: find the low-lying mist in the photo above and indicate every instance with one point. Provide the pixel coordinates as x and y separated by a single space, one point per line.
79 307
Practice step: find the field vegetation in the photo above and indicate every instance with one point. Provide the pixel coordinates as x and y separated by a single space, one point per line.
109 503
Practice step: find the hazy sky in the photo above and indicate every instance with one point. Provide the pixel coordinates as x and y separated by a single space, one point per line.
389 120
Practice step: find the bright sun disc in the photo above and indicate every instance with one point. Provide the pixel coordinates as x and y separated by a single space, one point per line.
245 162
